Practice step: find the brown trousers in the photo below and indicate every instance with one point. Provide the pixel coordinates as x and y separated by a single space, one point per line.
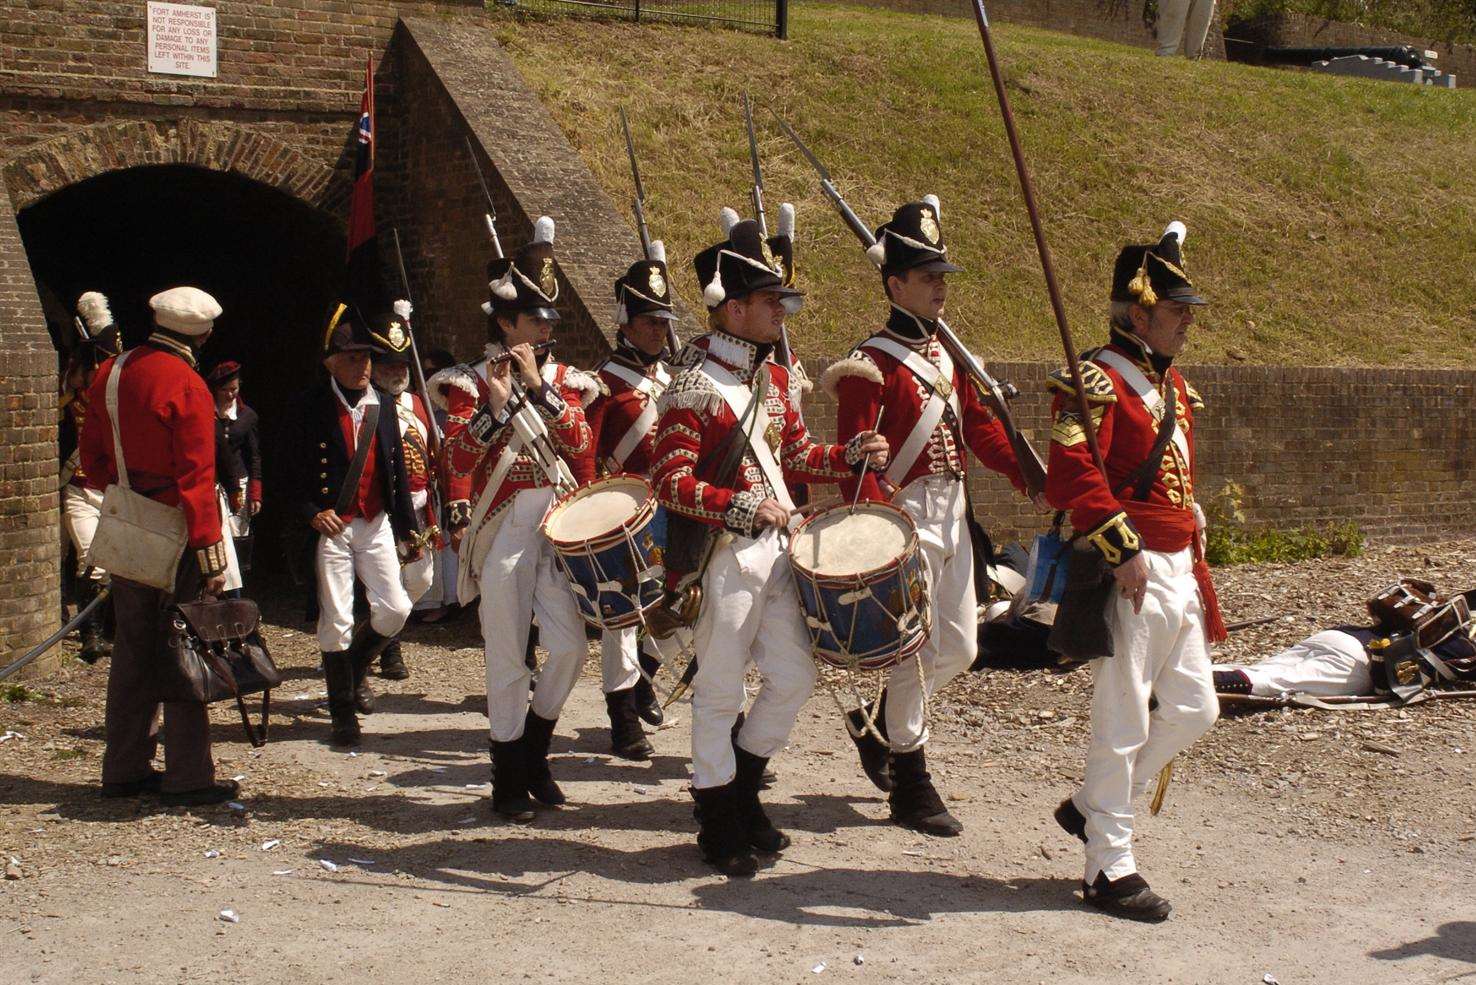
134 678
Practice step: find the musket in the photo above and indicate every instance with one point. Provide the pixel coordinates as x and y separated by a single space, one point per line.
995 394
756 195
638 206
1048 268
491 214
57 636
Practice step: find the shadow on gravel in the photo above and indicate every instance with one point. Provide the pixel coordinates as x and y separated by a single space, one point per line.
870 898
1454 941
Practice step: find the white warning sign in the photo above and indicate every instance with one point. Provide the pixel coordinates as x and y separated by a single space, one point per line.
182 40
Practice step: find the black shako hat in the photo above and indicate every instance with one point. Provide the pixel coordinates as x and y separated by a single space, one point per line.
528 280
1147 274
645 289
740 265
97 332
913 240
391 338
347 332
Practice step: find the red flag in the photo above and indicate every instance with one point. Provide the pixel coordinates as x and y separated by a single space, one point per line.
364 284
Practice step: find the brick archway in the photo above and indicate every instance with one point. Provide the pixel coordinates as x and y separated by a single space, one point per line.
218 146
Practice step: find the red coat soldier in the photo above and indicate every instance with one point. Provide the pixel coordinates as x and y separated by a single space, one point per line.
751 610
1142 521
516 437
623 420
165 425
903 381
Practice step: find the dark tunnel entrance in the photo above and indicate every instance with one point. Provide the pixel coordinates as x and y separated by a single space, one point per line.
273 262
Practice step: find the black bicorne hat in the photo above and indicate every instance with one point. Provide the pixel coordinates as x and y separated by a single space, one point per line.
1148 273
740 265
913 240
528 280
347 332
645 289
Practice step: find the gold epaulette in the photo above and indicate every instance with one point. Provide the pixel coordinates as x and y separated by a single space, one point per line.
1196 402
1099 389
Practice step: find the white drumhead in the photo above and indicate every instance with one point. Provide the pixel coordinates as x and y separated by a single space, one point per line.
597 510
845 543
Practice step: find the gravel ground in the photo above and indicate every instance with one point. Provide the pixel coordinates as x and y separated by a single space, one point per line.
1292 847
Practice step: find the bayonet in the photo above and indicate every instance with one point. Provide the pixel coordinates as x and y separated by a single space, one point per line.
638 207
491 214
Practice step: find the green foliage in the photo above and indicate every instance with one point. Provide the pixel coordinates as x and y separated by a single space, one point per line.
1231 541
19 693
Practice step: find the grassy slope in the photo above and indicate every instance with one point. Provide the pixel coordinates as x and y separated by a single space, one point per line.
1332 221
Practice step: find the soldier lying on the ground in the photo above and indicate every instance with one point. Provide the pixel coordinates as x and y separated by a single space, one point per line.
1417 640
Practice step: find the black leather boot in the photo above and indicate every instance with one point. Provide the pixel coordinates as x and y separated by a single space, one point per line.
365 646
760 831
510 781
94 645
648 706
627 738
338 674
537 734
914 802
875 756
1128 897
392 662
720 834
770 777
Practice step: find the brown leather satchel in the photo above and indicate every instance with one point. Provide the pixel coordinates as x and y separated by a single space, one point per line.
214 651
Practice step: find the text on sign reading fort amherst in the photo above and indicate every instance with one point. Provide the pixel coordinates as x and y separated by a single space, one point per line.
181 40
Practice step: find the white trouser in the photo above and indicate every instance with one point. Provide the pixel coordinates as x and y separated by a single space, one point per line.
442 590
1158 653
1325 664
750 612
520 577
1173 16
619 663
366 550
937 505
80 509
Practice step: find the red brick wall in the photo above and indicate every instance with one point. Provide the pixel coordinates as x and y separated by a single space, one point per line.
1393 450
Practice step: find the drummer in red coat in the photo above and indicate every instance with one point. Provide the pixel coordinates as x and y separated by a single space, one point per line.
1143 521
932 416
751 609
516 437
166 426
623 421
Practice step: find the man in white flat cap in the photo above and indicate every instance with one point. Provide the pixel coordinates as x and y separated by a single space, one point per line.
165 427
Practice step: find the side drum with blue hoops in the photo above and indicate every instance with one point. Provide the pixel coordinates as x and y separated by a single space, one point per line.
862 585
609 539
